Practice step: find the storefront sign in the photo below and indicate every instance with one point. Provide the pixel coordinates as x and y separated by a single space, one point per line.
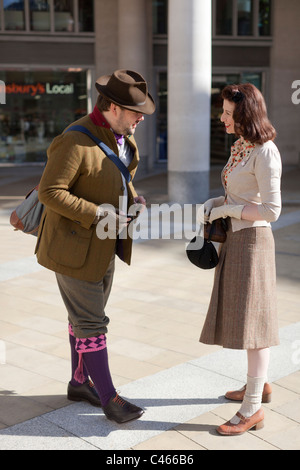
39 89
59 89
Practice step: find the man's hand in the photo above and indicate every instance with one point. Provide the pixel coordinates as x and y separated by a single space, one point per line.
138 207
112 217
141 201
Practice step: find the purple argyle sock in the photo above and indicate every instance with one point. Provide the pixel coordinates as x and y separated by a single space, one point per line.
93 355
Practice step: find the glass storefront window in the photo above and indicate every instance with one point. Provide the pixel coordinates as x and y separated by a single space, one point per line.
39 15
86 15
224 17
160 16
64 15
245 17
48 16
39 105
162 117
14 17
265 17
220 141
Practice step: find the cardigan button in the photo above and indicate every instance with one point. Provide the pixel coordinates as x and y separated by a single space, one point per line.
73 232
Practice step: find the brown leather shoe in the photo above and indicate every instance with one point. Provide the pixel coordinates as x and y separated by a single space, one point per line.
238 395
255 422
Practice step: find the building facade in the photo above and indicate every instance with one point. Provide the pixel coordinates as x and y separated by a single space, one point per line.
53 51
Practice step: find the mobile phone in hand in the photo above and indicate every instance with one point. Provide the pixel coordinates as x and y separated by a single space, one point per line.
138 208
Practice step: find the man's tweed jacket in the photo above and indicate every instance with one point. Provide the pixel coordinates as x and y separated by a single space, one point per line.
77 179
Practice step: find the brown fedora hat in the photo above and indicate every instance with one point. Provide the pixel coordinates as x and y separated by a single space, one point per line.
127 89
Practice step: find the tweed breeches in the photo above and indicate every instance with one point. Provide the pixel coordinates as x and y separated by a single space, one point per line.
85 302
243 309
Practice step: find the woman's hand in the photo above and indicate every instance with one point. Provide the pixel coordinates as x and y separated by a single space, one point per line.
228 210
205 210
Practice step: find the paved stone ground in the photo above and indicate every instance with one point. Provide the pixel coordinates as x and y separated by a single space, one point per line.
157 309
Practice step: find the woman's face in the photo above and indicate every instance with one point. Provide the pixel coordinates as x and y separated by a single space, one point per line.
227 116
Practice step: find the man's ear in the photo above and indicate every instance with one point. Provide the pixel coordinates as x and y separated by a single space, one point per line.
114 109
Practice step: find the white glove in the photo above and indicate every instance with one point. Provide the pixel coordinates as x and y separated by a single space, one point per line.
205 210
228 210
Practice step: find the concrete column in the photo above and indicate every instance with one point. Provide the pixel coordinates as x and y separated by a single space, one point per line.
106 34
106 40
134 46
189 91
133 35
285 70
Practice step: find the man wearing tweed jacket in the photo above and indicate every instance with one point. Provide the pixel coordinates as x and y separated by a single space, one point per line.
78 180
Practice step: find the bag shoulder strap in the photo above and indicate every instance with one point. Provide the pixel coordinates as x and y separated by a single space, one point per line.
108 152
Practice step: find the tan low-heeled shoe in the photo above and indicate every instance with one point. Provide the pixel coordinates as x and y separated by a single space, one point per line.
255 422
238 395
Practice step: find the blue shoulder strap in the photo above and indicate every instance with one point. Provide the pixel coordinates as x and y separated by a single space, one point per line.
108 152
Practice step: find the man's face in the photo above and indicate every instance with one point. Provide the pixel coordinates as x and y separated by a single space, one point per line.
126 121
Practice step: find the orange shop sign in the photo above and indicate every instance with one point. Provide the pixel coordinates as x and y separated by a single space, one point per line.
39 89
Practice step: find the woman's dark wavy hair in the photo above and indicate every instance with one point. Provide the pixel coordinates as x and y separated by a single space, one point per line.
250 114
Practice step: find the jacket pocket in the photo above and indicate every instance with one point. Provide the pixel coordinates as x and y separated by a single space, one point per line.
69 244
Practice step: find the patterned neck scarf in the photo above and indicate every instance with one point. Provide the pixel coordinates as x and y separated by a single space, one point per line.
240 153
99 120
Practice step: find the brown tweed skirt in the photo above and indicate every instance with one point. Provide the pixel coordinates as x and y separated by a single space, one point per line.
243 309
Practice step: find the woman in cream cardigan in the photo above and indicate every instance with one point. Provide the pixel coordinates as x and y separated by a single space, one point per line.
242 312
